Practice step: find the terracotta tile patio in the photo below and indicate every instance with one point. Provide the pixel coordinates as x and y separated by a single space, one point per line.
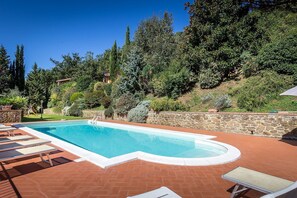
33 178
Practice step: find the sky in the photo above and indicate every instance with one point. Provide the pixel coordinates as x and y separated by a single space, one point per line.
52 28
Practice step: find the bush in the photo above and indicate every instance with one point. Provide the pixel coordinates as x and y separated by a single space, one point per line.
206 98
259 90
209 79
171 83
139 113
280 55
165 104
223 102
17 102
109 112
75 96
83 83
92 99
107 89
106 101
125 103
98 86
249 64
66 94
76 108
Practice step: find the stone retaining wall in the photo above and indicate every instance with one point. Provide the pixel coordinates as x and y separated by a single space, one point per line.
92 113
262 124
10 116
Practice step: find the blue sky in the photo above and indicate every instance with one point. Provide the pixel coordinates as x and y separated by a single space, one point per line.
52 28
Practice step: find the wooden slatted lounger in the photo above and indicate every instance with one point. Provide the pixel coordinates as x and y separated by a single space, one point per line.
163 192
27 152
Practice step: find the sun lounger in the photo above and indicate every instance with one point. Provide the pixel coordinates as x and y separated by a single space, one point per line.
163 192
15 138
9 130
289 192
22 144
249 179
27 152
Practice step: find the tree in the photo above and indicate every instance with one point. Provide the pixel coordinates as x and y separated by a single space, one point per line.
12 83
155 39
38 86
126 47
127 40
113 62
131 81
20 68
4 70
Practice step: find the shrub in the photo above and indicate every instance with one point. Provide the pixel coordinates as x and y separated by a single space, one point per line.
83 83
75 96
17 102
76 108
280 55
107 89
206 98
125 103
223 102
139 113
66 94
92 99
109 112
249 64
172 84
98 86
209 79
105 101
259 90
165 104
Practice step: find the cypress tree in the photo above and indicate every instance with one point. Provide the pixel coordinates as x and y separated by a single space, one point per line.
4 70
12 75
20 68
127 41
113 62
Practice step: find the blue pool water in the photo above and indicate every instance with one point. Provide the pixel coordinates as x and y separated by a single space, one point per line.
112 142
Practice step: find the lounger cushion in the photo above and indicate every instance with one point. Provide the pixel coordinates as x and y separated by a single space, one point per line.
7 129
163 192
256 180
25 152
15 138
289 192
22 144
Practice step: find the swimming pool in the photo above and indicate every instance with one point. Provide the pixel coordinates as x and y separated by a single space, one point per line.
113 143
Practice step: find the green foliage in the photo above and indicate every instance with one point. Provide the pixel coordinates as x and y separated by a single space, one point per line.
93 99
207 98
76 108
155 38
109 112
17 102
131 81
113 62
106 101
99 86
4 70
83 83
20 68
125 103
223 102
209 79
280 55
75 96
165 104
139 113
249 64
171 83
261 89
107 89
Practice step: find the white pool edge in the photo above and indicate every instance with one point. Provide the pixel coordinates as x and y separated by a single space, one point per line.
231 155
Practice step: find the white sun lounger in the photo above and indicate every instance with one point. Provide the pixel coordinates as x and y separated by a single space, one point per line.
9 130
22 144
15 138
27 152
249 179
163 192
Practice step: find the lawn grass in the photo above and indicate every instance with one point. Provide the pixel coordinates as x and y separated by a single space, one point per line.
47 117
